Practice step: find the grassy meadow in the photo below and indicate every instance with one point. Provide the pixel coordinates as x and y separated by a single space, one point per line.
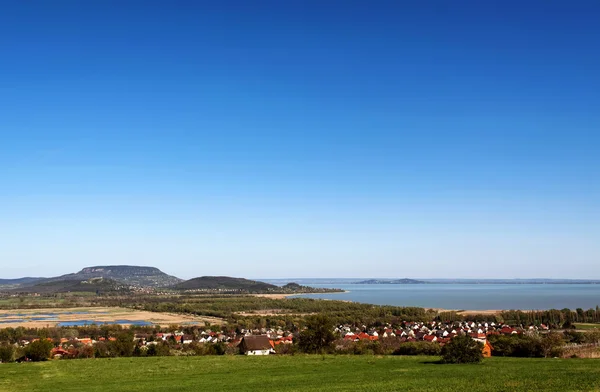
300 373
587 326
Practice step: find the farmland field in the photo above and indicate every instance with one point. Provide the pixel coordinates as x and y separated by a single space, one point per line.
300 373
40 318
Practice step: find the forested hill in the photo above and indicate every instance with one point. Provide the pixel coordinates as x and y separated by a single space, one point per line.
225 283
94 285
127 274
18 282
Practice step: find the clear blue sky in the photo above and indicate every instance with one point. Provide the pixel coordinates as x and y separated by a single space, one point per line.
301 138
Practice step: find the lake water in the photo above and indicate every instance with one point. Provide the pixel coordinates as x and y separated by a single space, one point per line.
80 323
468 296
8 318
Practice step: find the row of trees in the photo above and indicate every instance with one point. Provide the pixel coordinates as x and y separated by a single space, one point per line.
229 307
36 351
552 317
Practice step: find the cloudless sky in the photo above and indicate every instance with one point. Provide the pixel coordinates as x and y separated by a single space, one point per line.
268 139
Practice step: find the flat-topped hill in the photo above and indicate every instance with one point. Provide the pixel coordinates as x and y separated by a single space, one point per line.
127 274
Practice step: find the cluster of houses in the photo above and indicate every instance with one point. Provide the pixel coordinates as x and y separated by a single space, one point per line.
431 331
434 331
250 342
263 341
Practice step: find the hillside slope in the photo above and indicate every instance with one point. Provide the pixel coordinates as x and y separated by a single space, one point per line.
225 283
127 274
94 285
300 373
18 282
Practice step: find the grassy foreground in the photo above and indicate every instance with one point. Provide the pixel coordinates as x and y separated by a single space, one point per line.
300 373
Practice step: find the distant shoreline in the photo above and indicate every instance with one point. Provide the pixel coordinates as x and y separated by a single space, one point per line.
472 312
283 296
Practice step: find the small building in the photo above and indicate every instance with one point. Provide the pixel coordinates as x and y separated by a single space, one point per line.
59 352
256 345
487 349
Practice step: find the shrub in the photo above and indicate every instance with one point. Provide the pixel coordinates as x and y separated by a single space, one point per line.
516 346
318 335
552 345
162 349
39 350
286 349
123 345
85 352
462 349
7 353
572 336
418 348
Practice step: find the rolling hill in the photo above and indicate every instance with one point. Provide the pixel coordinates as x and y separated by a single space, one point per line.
18 282
225 283
94 285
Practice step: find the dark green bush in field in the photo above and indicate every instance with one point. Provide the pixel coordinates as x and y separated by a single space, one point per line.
573 336
535 346
39 350
123 345
7 353
418 348
462 349
318 335
288 349
161 349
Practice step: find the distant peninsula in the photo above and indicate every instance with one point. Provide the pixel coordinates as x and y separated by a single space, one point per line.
391 281
227 284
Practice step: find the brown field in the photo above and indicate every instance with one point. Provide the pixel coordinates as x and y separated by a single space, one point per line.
25 317
273 296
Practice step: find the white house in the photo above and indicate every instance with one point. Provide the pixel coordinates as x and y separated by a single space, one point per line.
256 345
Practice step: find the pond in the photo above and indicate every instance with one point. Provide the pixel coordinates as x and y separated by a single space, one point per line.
79 323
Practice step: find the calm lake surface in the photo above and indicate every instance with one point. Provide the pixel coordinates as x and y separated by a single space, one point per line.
468 296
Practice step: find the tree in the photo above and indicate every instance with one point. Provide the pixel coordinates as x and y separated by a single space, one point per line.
39 350
551 345
123 345
462 349
7 353
318 335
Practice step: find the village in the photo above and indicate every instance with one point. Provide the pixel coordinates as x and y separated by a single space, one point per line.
266 341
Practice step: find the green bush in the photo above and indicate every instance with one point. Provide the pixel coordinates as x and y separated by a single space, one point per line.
418 348
123 345
535 346
318 335
162 349
7 353
462 349
39 350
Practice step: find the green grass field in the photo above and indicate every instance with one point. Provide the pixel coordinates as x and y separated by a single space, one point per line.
300 373
585 326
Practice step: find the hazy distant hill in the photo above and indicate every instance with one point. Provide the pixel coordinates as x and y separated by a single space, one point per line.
128 274
225 283
94 285
391 281
18 282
